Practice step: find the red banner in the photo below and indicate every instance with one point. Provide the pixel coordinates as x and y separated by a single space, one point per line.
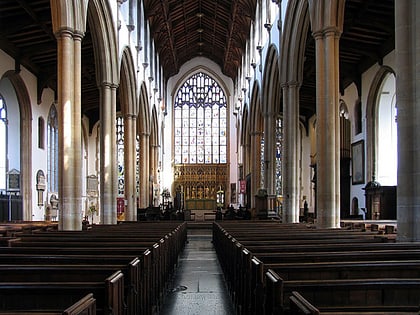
242 187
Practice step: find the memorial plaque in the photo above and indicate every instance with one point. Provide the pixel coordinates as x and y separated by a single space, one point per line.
13 180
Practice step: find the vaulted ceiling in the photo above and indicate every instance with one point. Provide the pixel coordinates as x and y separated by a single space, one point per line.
184 29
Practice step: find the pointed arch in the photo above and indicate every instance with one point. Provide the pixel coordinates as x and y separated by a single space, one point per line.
144 111
271 82
143 132
154 130
104 42
154 146
25 140
255 109
207 71
256 128
371 120
293 42
128 84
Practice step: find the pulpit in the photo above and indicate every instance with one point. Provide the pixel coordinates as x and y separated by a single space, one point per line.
381 201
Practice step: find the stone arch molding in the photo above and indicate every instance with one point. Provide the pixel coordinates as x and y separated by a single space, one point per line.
25 140
271 86
144 116
128 86
207 71
293 42
371 121
72 16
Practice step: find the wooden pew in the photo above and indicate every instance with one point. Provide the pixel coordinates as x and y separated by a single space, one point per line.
347 269
344 293
158 259
78 273
15 296
250 259
301 306
85 306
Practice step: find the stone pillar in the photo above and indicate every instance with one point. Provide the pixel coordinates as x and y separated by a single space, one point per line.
290 167
407 54
255 165
269 153
327 24
69 130
144 171
130 167
108 163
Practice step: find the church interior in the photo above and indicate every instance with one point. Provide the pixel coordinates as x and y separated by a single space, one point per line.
280 131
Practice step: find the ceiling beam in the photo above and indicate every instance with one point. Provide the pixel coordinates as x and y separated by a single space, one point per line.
169 31
230 34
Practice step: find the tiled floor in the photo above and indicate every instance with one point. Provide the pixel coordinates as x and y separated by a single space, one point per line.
198 286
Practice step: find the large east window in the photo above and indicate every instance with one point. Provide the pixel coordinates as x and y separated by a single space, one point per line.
200 122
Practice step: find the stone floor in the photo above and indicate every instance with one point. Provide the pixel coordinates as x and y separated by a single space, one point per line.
198 286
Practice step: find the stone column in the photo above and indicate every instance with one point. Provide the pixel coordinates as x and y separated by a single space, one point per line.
269 153
290 167
255 165
130 167
407 54
69 131
327 23
144 171
108 163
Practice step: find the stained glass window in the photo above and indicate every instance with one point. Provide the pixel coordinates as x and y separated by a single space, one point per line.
120 154
279 149
200 122
52 143
262 165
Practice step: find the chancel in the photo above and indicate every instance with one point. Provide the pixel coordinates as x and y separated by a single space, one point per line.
242 153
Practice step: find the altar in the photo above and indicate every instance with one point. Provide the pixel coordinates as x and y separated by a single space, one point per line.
201 209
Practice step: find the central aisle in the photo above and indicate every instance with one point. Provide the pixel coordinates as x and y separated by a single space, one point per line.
198 286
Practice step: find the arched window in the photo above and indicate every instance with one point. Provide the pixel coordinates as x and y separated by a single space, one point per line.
3 143
358 117
41 133
200 122
52 147
387 133
120 154
279 152
262 163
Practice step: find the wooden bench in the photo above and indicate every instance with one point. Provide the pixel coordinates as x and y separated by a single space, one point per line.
255 260
78 273
343 293
55 295
157 254
301 306
347 270
85 306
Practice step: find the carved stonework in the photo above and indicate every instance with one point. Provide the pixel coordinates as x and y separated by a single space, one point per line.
201 181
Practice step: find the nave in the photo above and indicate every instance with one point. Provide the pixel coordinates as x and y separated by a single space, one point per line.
230 267
198 286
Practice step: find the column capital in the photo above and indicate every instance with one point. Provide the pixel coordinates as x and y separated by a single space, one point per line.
291 84
64 32
326 17
130 116
326 32
108 85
